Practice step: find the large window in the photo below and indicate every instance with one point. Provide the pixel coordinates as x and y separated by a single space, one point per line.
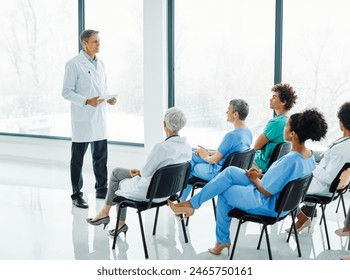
120 24
37 40
224 49
39 37
316 55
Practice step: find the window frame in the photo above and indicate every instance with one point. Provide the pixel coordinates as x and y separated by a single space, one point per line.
171 51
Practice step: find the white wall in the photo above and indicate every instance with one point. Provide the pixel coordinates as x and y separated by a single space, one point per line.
155 69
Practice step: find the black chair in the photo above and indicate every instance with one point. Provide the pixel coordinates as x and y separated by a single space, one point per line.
168 181
242 160
339 186
342 202
289 200
279 151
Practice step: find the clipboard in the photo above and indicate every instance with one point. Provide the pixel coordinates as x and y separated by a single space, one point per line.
108 96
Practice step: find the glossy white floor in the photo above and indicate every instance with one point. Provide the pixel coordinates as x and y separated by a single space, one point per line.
39 223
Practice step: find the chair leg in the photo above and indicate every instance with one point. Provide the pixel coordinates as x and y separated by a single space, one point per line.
322 216
336 210
143 234
187 221
261 235
341 200
116 228
295 233
268 242
155 221
184 230
291 226
294 229
323 207
183 226
313 211
236 238
192 193
343 204
214 207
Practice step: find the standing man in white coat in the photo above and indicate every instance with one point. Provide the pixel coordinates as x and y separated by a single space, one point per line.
84 84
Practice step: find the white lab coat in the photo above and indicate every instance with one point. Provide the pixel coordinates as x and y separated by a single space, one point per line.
82 80
329 166
173 150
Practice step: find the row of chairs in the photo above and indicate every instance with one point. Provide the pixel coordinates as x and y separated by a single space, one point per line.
291 197
337 189
175 178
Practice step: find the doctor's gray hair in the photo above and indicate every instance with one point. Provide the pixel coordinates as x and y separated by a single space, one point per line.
174 119
86 34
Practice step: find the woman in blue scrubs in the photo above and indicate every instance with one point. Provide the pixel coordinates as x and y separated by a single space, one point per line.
248 190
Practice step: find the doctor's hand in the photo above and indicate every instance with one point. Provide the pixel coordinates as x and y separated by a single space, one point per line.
112 101
94 101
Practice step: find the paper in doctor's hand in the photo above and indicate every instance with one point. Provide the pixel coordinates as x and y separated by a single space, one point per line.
108 97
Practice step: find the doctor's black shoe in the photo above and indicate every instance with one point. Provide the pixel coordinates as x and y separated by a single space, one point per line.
80 202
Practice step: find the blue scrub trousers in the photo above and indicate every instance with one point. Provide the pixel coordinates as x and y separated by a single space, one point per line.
200 169
233 188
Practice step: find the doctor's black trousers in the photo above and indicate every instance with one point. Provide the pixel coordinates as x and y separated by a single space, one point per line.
99 161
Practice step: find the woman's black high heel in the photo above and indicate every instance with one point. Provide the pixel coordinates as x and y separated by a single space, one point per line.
124 228
104 221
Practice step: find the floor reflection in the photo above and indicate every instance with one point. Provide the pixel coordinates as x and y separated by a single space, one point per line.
56 230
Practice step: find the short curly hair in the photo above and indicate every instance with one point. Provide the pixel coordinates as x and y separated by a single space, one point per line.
344 115
309 124
286 94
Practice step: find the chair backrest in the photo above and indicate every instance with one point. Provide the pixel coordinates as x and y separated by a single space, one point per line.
169 180
342 180
242 160
279 151
293 194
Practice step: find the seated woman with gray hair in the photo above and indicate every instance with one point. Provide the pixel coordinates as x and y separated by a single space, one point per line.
133 184
207 164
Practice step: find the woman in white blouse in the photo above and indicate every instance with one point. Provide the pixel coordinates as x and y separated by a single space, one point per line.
134 183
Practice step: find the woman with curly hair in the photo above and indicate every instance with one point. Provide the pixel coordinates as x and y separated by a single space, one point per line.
248 190
332 161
